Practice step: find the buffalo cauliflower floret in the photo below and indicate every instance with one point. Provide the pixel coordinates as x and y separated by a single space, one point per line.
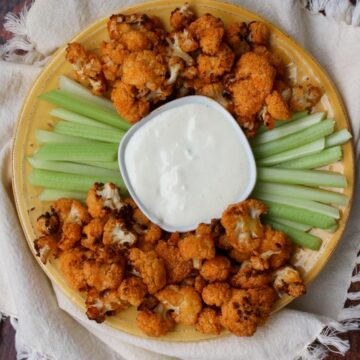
259 33
181 17
239 256
223 242
102 199
93 232
304 97
113 55
46 247
150 267
208 322
187 42
87 67
199 283
198 246
216 293
288 280
248 277
175 41
127 102
70 235
47 224
116 233
132 290
209 31
236 35
216 269
277 106
242 224
149 231
273 58
183 301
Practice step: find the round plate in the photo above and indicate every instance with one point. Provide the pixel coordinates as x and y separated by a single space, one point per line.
35 115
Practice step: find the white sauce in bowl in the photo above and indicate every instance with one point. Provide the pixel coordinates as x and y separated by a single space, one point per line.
186 164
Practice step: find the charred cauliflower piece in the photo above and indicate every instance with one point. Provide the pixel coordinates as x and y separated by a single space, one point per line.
132 290
116 233
47 224
92 233
183 301
236 35
149 231
150 267
181 17
242 225
288 280
46 247
208 322
216 269
277 106
259 33
216 293
304 97
248 277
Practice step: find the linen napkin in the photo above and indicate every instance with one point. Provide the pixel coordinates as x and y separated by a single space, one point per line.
44 331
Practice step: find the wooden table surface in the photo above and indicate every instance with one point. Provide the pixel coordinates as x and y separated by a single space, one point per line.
7 333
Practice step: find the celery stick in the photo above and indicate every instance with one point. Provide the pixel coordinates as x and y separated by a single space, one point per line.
299 203
85 107
70 167
302 192
294 140
293 224
298 237
337 138
302 177
325 157
89 132
307 149
76 118
278 123
71 182
77 152
43 136
75 88
301 216
54 194
288 128
112 165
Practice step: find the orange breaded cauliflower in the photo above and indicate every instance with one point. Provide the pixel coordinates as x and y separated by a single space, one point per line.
199 283
187 42
277 106
236 35
259 33
46 246
102 199
87 67
117 233
216 293
242 224
149 231
113 55
150 267
288 280
248 277
47 224
183 301
198 246
93 232
70 235
273 58
239 256
127 102
208 322
173 49
209 31
216 269
181 17
246 310
304 97
132 290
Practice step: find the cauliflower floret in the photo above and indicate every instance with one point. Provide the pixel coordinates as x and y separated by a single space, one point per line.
181 17
209 31
71 265
211 67
277 106
93 232
70 210
199 283
71 234
273 58
177 269
208 322
102 199
239 256
46 247
259 33
175 41
248 277
216 293
100 304
246 310
47 224
150 267
87 67
117 233
183 301
242 224
187 42
113 55
236 35
216 269
198 246
149 231
288 280
223 242
127 103
132 290
304 97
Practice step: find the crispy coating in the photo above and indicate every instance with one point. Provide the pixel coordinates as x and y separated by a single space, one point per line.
246 310
239 256
149 231
209 31
47 223
184 301
236 36
116 233
248 277
93 232
288 280
304 97
71 234
181 17
199 283
242 224
216 293
151 268
273 58
277 106
216 269
259 33
132 290
208 322
187 42
223 242
113 55
154 323
46 246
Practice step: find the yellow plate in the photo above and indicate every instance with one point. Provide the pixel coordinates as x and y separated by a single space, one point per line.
34 115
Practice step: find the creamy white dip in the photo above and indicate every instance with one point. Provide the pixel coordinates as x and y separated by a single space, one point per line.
187 165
